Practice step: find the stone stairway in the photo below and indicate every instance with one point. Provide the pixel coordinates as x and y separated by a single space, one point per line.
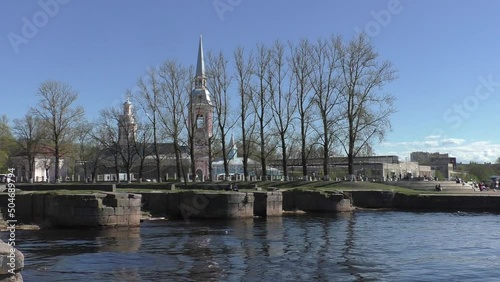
431 185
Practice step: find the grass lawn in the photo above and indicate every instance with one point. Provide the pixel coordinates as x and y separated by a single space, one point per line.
245 187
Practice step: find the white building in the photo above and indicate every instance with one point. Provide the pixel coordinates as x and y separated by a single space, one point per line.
44 167
235 166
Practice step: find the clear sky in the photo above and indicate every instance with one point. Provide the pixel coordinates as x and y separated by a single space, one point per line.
447 54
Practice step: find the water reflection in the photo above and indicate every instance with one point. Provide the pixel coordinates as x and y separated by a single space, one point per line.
54 242
347 250
358 246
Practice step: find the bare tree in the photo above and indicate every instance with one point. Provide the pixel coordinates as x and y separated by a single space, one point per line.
30 134
260 100
83 145
244 69
106 133
189 120
142 146
95 154
117 134
283 104
149 97
366 108
324 81
218 82
301 67
7 142
174 81
56 108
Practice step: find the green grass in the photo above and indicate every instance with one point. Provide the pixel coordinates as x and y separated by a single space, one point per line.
281 185
64 192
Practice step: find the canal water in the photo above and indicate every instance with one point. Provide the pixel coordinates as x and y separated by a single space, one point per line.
358 246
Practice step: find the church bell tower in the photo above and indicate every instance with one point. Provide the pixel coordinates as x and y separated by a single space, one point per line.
127 127
201 120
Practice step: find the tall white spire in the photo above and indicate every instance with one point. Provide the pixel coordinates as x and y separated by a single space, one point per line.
233 150
200 94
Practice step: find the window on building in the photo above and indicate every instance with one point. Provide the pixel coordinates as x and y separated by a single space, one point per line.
200 121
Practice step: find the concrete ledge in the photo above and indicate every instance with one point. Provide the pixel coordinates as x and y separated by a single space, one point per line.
430 185
194 205
156 186
268 203
102 209
213 205
439 201
315 201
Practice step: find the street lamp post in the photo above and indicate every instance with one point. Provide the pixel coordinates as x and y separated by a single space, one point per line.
399 172
406 173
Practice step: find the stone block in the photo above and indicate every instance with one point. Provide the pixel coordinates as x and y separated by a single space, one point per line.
119 211
106 220
107 211
134 196
119 220
122 202
315 201
135 210
134 220
110 202
126 210
87 211
134 202
268 203
344 205
9 260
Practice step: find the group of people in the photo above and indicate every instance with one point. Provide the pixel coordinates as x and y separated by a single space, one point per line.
484 187
232 187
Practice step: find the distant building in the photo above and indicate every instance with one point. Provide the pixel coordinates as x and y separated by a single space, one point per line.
235 166
44 166
127 127
387 168
442 163
372 168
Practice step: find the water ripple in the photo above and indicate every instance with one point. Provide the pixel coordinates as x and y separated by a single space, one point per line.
358 246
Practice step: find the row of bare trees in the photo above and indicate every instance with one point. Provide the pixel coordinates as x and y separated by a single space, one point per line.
324 96
283 101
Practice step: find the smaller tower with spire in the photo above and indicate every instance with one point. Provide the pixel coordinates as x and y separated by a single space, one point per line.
233 150
127 127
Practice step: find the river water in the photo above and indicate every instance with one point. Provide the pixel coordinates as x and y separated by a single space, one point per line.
358 246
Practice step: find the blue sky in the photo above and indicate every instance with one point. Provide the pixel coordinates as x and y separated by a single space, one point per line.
446 53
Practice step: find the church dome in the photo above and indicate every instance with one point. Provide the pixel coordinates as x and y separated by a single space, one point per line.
201 96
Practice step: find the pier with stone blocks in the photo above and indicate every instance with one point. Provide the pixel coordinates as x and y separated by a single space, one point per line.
77 210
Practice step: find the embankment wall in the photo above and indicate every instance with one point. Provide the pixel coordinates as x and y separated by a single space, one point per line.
51 210
446 202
